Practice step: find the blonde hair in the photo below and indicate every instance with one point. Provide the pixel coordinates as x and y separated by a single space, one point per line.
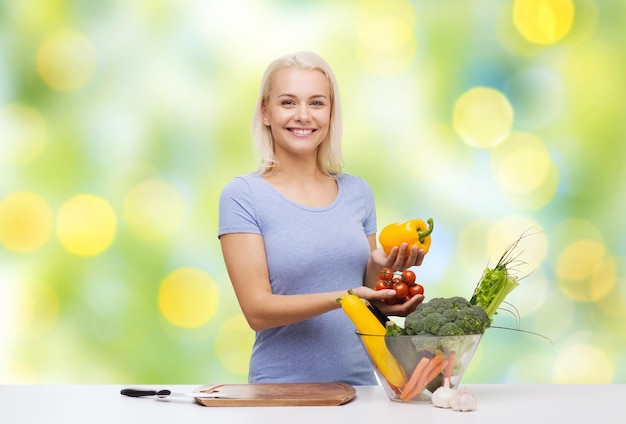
329 158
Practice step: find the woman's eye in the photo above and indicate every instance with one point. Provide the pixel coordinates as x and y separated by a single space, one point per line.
287 102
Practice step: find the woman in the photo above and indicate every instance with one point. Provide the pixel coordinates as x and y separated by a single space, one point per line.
298 233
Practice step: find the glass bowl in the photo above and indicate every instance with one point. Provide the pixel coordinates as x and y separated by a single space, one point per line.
411 368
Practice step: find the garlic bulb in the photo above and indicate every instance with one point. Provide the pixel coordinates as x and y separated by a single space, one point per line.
463 400
442 396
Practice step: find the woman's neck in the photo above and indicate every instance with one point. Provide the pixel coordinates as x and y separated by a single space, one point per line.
308 187
303 170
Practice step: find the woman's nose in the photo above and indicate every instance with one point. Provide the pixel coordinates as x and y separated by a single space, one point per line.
303 113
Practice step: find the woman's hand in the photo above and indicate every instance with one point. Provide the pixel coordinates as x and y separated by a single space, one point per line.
378 297
399 309
399 258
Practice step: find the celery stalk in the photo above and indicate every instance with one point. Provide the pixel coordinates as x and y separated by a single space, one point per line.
496 283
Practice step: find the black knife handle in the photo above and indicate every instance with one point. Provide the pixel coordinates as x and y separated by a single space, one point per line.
378 314
140 393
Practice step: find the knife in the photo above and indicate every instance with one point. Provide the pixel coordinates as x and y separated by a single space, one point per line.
162 394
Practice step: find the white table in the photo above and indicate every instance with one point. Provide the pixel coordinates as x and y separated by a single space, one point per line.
496 404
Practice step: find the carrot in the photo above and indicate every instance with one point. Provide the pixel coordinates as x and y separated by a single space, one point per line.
447 373
436 370
415 375
431 372
434 367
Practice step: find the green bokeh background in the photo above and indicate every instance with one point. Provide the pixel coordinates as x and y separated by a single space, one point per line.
168 93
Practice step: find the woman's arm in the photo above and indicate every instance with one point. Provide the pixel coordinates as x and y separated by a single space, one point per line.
246 263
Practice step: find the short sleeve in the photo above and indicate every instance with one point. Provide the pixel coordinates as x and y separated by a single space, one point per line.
369 225
236 209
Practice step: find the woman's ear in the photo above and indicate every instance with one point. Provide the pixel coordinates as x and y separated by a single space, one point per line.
265 116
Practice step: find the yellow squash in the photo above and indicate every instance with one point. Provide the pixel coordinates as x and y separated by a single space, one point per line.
367 323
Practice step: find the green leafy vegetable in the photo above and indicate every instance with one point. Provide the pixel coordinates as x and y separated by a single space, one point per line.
497 283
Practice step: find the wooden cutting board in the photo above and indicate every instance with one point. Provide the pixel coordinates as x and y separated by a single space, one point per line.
283 394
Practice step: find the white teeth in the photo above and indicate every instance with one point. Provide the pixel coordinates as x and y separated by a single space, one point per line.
301 132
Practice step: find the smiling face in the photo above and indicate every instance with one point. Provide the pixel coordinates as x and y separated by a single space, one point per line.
297 111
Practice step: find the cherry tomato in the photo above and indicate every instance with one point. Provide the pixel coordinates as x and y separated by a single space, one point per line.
415 289
381 285
402 290
386 274
408 276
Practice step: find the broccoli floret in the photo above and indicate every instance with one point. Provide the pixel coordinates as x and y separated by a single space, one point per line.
449 329
393 329
453 316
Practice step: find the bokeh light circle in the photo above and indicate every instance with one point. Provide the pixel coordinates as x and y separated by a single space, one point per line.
585 271
23 134
188 297
66 60
154 210
26 222
583 363
86 225
233 345
482 117
524 171
543 21
386 42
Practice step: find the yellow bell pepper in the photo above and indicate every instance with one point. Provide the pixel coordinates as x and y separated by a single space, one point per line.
367 323
414 232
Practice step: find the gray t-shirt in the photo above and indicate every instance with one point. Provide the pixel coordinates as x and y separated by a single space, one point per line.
309 250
